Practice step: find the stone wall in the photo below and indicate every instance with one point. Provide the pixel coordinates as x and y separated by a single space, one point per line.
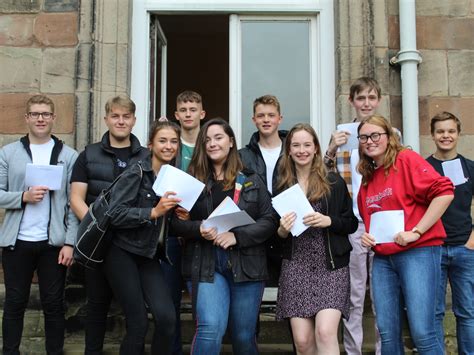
38 41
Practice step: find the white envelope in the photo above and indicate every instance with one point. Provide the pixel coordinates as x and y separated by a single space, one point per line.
46 175
293 200
352 141
227 216
453 170
187 188
384 225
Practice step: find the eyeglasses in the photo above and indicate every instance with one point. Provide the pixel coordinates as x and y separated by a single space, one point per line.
374 137
45 115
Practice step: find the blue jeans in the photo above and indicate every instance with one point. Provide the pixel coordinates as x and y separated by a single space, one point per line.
457 265
409 279
225 301
173 279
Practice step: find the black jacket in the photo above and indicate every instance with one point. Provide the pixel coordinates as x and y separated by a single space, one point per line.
252 158
101 166
248 255
132 199
338 206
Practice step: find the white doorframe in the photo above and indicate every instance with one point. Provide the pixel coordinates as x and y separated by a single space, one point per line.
322 54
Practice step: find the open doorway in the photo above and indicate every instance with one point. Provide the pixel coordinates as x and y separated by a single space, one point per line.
197 59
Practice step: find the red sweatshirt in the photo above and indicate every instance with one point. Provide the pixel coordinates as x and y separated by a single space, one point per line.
410 186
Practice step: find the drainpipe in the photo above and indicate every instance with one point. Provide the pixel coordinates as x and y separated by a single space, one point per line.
408 57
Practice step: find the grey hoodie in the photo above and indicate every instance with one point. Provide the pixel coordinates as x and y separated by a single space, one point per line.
13 159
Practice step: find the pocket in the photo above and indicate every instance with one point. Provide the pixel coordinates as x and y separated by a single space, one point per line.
254 262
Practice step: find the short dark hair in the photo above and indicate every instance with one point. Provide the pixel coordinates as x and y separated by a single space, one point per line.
267 100
444 116
364 83
39 99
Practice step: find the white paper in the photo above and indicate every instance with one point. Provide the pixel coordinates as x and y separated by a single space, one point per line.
356 180
352 141
293 200
227 216
46 175
385 225
187 188
453 170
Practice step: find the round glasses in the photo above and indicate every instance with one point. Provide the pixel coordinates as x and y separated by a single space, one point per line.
374 137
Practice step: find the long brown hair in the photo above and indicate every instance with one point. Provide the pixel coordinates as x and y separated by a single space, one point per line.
366 166
201 166
318 184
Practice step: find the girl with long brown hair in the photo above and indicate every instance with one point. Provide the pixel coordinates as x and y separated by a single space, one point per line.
225 271
314 281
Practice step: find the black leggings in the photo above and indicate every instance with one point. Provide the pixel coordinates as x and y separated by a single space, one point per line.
138 282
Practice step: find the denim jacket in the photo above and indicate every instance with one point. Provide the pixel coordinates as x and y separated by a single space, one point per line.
132 199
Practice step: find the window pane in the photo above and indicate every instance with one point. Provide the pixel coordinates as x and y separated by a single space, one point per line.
276 60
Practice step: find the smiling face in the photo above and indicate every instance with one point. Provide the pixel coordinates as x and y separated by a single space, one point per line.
365 103
120 122
164 145
374 150
267 119
218 144
302 149
445 136
39 128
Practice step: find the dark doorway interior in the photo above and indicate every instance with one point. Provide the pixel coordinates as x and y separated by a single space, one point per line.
198 59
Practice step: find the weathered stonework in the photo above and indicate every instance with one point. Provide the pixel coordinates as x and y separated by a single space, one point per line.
21 69
61 5
19 6
433 73
58 70
16 30
56 29
461 72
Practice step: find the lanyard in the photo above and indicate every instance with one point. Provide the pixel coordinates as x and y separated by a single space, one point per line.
239 181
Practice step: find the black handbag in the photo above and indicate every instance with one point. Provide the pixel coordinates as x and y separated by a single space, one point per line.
92 239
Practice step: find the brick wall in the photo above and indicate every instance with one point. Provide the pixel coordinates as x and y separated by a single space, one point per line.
38 41
446 76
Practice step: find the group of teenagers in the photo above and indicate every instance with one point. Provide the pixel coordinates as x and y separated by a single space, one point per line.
154 244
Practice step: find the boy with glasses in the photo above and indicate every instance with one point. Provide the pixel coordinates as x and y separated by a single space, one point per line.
364 96
39 229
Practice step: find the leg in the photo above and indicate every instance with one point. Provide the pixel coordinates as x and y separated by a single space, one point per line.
419 270
122 272
51 280
173 278
378 343
327 322
441 294
461 276
245 300
212 312
303 335
388 304
353 332
159 301
18 267
99 296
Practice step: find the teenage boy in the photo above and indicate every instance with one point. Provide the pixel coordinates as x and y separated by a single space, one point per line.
95 169
189 113
457 258
262 154
39 229
364 96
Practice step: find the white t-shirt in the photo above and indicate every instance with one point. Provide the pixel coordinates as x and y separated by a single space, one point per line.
35 220
270 156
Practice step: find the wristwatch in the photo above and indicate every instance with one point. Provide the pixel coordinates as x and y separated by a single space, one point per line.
417 231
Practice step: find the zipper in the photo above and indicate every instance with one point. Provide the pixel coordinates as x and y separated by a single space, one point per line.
331 259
